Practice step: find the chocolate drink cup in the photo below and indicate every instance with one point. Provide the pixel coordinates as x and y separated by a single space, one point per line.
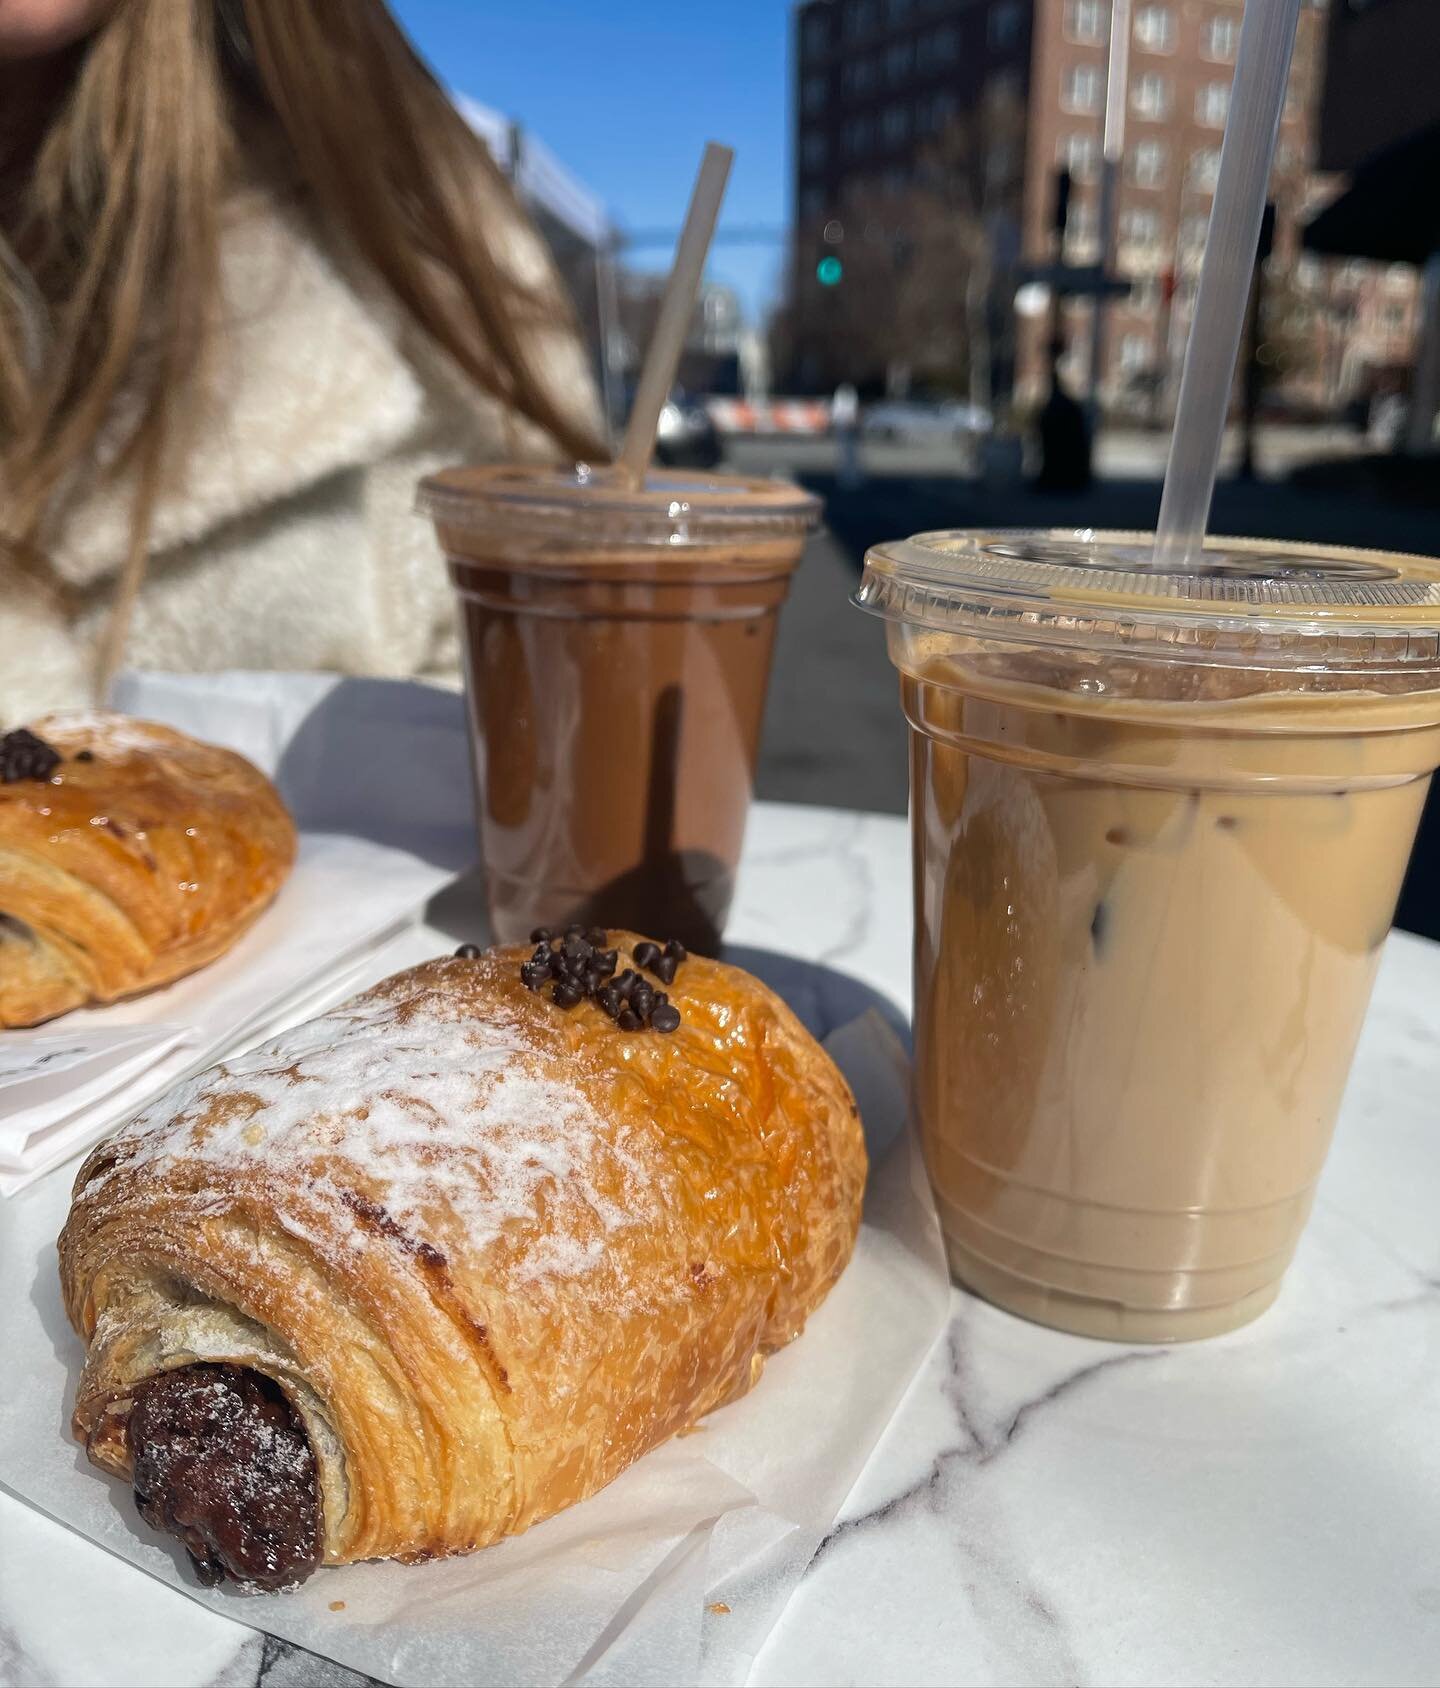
617 649
1160 827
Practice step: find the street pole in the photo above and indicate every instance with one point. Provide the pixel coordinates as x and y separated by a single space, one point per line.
1425 387
1252 375
1116 89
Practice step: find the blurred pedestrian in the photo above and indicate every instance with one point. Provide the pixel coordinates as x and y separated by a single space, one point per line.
1064 435
257 275
845 431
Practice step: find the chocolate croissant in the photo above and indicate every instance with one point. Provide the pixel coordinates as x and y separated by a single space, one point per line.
423 1271
129 855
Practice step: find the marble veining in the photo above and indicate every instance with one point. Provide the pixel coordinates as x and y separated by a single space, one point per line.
1044 1509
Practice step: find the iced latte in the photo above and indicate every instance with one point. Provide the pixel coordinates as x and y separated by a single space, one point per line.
1160 828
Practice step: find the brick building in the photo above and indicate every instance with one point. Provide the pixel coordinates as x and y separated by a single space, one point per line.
877 81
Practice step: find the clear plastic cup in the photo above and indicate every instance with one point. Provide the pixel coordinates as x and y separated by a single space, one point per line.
617 648
1160 826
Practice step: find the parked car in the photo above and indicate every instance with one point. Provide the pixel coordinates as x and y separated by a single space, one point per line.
918 419
686 437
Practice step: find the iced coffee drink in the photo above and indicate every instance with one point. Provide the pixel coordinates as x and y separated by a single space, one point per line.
1161 824
617 648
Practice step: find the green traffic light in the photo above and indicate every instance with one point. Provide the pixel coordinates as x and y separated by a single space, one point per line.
829 270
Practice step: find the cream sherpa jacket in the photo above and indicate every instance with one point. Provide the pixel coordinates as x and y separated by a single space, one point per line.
291 539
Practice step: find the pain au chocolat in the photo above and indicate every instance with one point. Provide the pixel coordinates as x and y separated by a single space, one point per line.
422 1272
130 854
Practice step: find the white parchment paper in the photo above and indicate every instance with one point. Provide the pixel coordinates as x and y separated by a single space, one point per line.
621 1588
362 870
676 1572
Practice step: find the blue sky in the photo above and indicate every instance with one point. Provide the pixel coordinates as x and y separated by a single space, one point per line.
627 94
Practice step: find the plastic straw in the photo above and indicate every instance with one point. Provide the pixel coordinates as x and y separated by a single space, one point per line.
1262 69
672 324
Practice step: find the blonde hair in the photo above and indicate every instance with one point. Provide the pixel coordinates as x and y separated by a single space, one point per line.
109 245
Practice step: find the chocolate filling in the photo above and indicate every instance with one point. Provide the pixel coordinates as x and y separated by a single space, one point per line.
222 1461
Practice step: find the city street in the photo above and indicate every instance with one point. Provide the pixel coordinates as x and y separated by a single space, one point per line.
834 732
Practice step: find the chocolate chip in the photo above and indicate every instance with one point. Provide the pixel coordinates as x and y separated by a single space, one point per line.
627 981
664 969
610 1000
544 956
84 755
541 935
596 937
606 961
642 999
647 954
533 974
628 1020
575 948
677 950
666 1017
574 931
25 757
567 994
468 952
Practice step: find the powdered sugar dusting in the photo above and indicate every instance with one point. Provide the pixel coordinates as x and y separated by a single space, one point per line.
434 1118
106 729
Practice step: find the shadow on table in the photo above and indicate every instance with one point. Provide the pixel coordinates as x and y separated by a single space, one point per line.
385 760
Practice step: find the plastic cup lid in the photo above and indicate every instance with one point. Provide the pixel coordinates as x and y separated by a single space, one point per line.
673 507
1255 603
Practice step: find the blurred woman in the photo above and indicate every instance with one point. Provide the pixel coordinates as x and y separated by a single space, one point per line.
257 275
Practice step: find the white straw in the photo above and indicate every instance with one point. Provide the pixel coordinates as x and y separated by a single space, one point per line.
672 324
1262 69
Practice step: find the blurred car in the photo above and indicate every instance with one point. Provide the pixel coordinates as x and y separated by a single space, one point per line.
916 420
686 437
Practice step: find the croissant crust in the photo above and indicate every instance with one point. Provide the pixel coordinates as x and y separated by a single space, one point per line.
142 856
492 1250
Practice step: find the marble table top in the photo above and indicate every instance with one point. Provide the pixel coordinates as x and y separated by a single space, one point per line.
1263 1508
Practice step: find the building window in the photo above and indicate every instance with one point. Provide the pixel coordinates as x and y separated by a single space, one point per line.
1144 295
1084 22
812 94
1151 95
859 77
1003 26
1004 88
1219 39
1083 89
897 63
1203 170
1155 28
1294 101
1287 157
1082 231
1002 160
1307 271
859 19
857 137
1212 104
1147 164
812 150
1139 227
895 126
1134 353
815 37
937 47
1394 317
1193 231
1080 154
935 113
1398 278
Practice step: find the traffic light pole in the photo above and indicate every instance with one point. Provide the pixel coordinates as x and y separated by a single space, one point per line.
1116 87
